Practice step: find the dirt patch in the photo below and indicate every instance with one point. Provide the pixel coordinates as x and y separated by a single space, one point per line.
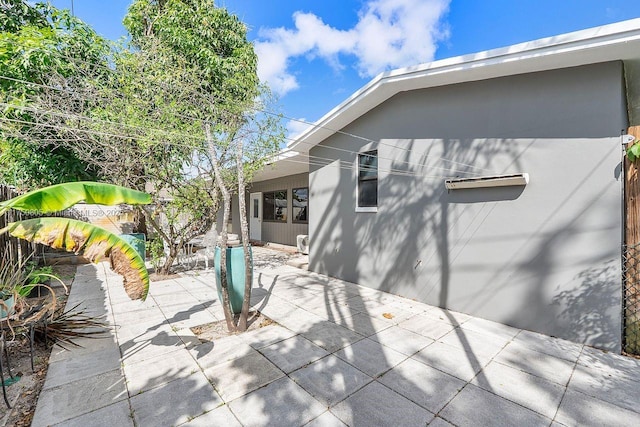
23 394
155 277
215 330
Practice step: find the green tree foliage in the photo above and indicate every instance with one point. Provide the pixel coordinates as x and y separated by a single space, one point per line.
202 37
34 41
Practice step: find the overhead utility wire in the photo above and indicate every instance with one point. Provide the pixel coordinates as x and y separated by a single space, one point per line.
191 137
315 125
420 165
328 160
95 120
354 168
308 156
310 124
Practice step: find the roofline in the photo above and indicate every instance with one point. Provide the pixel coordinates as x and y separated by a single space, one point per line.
618 41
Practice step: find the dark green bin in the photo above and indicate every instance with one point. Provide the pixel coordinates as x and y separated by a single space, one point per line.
137 240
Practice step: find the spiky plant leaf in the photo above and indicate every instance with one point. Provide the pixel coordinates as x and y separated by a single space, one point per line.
93 242
62 196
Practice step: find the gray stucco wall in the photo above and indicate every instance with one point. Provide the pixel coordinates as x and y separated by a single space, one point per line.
545 257
282 232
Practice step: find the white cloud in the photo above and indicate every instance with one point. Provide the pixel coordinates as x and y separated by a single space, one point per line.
296 127
389 34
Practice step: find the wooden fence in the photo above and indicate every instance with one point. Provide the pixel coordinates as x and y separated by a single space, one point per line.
14 250
631 254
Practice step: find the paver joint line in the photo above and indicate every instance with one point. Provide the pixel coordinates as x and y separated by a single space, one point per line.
300 355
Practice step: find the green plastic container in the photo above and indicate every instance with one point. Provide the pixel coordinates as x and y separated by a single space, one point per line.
137 240
235 275
7 308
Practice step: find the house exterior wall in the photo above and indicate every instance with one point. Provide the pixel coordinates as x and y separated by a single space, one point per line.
282 232
545 257
233 226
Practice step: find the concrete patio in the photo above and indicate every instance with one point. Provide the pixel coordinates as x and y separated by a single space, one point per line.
341 354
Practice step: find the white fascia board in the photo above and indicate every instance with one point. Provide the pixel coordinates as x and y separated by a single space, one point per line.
619 41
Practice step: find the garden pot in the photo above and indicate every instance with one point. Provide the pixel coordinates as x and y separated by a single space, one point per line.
235 275
7 307
137 240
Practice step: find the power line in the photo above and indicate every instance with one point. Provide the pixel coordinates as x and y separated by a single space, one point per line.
315 125
186 136
351 167
302 142
314 161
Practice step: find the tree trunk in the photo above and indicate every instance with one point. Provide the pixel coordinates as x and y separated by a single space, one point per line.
226 203
168 262
244 228
168 243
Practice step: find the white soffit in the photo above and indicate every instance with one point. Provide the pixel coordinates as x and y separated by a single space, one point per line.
619 41
285 163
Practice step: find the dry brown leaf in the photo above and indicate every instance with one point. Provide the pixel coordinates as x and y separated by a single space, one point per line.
387 315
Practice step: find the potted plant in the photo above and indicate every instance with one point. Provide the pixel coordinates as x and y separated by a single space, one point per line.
12 278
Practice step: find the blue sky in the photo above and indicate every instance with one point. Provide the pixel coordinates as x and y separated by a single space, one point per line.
314 54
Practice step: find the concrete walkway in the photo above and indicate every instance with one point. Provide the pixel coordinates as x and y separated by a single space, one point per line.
341 354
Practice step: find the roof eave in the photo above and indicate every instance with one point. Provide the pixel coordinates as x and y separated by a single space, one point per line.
619 41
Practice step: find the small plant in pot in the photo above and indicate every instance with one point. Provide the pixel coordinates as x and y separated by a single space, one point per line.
12 278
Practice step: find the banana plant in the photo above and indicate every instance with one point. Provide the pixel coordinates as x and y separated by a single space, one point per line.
94 242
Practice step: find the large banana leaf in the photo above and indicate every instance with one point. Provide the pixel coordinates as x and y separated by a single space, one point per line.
93 242
62 196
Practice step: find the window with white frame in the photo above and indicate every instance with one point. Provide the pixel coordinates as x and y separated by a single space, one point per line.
368 180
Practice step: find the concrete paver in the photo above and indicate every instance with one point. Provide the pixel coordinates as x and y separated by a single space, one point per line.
618 390
487 345
475 407
334 358
118 414
452 317
70 400
452 360
150 373
615 364
363 324
330 379
371 406
556 347
402 340
221 416
293 353
83 366
282 403
487 327
242 375
578 409
428 387
210 354
327 419
439 422
536 363
371 358
535 393
330 336
176 402
427 326
264 337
